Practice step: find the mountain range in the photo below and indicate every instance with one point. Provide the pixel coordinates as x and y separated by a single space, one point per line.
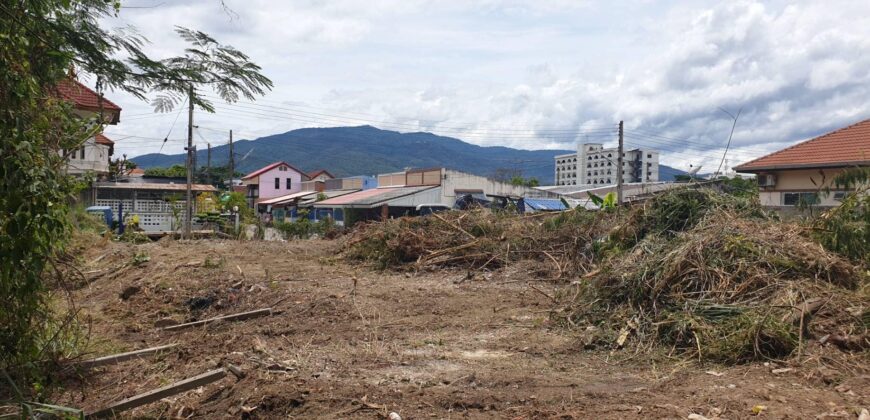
366 150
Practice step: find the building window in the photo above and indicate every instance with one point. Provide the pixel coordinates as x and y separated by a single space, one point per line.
277 183
82 152
649 155
289 183
282 168
839 195
800 198
649 173
649 165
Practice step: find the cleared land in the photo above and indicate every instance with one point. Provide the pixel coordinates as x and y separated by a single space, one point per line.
349 342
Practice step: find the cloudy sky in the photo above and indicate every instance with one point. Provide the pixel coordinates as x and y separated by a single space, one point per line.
532 74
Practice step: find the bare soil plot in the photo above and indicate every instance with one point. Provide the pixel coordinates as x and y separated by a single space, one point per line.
348 342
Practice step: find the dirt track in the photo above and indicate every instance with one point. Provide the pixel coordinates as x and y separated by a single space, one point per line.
429 345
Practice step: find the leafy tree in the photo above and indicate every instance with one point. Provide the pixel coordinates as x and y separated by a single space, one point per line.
520 181
40 41
174 171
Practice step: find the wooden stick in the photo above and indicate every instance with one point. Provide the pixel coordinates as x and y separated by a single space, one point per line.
160 393
455 226
235 317
118 358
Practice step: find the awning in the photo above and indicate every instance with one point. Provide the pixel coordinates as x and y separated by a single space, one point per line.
286 198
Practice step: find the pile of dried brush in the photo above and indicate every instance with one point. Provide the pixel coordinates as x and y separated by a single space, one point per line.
712 276
560 243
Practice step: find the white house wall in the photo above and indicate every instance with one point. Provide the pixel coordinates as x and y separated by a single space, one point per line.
96 159
454 180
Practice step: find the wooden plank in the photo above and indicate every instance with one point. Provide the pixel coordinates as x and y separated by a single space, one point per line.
160 393
235 317
118 358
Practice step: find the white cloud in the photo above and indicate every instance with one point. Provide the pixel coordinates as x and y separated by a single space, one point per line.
522 74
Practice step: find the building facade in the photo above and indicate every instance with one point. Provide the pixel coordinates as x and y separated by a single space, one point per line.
275 180
595 165
92 156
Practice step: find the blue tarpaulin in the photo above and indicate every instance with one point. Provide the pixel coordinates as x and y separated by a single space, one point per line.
544 204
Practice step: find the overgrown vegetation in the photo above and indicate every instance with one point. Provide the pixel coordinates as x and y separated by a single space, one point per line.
695 271
42 41
304 228
846 229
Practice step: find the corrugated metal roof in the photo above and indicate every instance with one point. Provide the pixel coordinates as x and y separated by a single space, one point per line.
371 198
329 194
545 204
288 197
154 186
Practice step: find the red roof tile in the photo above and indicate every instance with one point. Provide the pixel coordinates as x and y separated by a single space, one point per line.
267 168
844 147
101 139
84 98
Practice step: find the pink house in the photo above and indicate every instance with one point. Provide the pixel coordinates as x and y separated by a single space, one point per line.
275 180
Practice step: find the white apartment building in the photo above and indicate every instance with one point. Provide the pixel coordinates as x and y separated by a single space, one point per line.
595 165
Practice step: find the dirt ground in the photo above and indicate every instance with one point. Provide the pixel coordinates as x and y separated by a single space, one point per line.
349 342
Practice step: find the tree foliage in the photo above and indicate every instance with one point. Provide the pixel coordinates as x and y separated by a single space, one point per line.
846 228
40 41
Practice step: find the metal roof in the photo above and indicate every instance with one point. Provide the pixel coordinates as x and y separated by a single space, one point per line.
371 198
153 186
545 204
329 194
288 197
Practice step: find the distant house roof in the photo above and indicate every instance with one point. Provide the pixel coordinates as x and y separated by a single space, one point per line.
268 168
371 198
154 186
85 98
102 139
315 174
844 147
136 172
286 198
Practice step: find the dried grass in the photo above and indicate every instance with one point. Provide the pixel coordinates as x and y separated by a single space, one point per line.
561 243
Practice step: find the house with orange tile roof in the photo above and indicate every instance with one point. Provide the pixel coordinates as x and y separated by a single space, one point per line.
94 154
799 174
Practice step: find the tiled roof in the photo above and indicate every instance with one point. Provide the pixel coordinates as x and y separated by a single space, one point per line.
101 139
315 174
843 147
84 98
267 168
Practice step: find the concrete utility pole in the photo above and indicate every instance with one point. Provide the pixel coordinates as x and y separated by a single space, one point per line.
232 162
188 205
619 171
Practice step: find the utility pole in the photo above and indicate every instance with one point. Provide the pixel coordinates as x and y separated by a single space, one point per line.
619 171
232 162
208 163
188 205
